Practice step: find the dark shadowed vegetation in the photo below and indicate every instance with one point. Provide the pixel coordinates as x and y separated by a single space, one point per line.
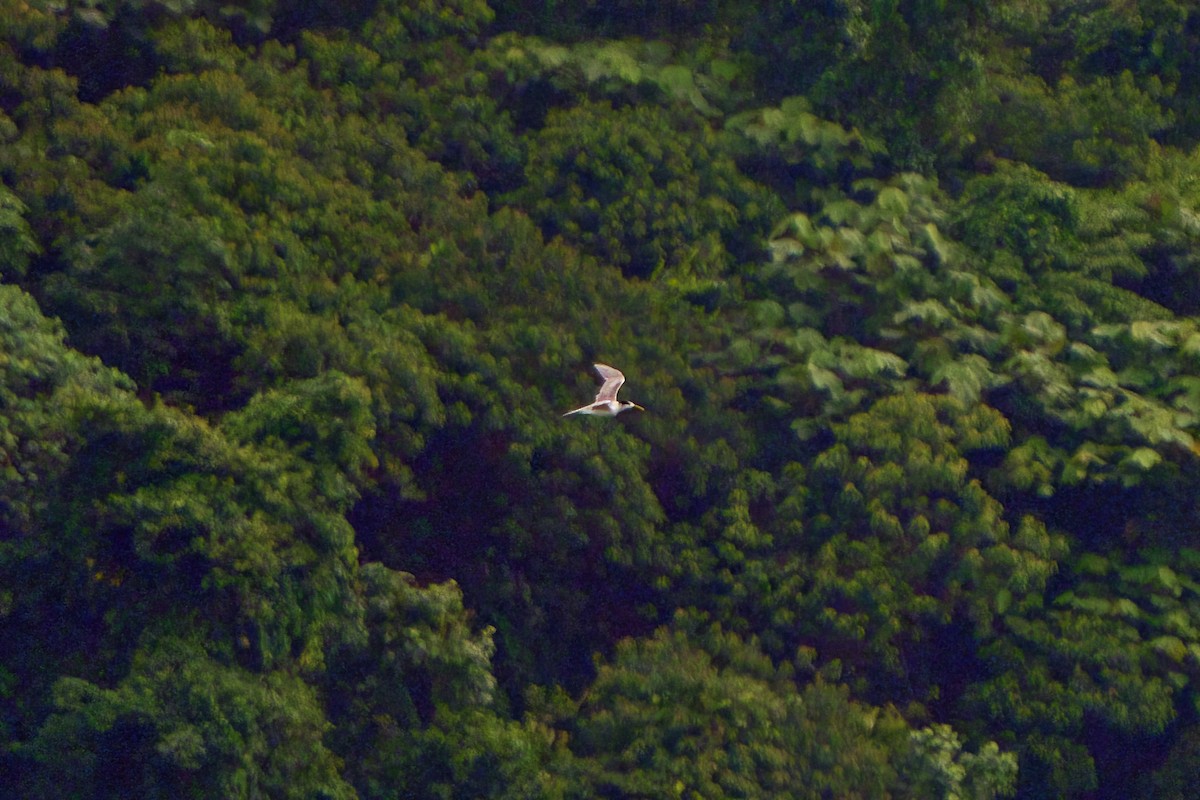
292 295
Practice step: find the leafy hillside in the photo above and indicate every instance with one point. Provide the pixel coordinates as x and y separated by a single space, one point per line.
293 294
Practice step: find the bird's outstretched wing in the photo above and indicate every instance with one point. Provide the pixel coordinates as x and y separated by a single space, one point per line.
612 382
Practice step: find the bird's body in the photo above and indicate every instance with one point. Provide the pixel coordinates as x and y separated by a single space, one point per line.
609 408
606 403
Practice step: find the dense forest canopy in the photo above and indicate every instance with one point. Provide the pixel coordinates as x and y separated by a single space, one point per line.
293 294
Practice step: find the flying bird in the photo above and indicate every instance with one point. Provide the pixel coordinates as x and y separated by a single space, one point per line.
606 403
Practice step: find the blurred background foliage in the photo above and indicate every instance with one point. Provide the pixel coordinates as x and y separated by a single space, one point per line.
292 295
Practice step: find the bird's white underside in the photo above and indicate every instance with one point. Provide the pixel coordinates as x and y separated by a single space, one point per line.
608 408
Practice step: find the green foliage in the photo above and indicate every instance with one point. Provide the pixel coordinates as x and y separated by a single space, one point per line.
398 24
910 542
862 295
414 697
673 717
590 18
937 768
16 240
789 142
623 185
155 525
854 59
116 283
324 422
183 724
1118 647
621 70
40 381
1019 212
1091 133
286 504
